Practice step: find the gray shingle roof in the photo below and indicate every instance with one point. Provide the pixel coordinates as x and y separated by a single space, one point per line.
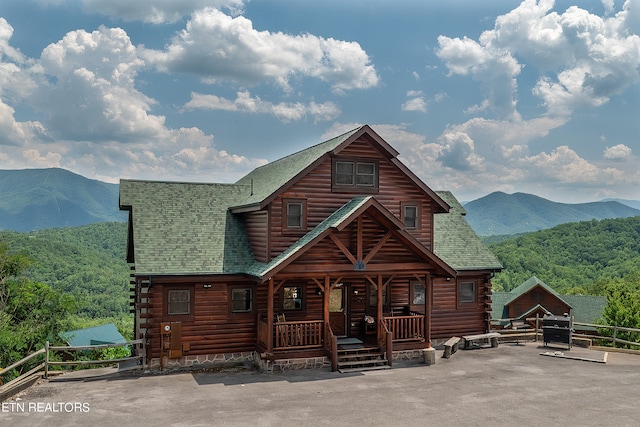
185 228
266 180
188 228
456 243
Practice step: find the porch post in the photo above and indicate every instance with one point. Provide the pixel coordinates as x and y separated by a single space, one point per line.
325 302
379 308
270 317
427 309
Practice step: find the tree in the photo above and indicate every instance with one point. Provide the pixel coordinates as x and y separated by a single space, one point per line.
30 312
623 307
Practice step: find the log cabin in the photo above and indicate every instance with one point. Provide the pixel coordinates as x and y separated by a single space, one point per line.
535 299
336 245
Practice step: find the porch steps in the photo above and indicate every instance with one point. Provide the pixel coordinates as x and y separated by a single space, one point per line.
361 359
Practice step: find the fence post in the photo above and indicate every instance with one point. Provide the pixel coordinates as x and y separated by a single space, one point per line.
615 332
46 359
537 319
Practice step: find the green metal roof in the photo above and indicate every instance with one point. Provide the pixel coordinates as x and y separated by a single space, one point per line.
456 243
103 334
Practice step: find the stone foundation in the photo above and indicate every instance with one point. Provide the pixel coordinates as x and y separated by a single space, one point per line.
253 358
206 360
294 364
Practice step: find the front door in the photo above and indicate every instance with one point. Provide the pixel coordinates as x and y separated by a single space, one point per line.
338 310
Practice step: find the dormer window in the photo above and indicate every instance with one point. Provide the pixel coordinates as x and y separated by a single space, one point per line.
355 174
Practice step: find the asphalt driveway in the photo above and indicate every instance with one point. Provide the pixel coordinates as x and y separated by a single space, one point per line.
505 386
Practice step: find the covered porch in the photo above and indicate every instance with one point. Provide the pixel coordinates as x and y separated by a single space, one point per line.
387 311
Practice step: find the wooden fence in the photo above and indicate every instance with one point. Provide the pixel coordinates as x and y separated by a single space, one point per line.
535 334
42 369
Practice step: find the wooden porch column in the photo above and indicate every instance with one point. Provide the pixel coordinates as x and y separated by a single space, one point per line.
325 302
427 309
379 308
270 317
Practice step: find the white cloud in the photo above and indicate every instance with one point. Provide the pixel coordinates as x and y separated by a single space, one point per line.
583 59
415 104
220 47
244 102
88 91
617 152
157 11
495 68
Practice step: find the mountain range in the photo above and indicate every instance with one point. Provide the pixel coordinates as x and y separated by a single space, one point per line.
35 199
507 214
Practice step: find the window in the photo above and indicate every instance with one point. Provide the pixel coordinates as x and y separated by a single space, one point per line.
241 300
179 302
349 174
373 297
292 298
419 293
294 217
467 292
410 216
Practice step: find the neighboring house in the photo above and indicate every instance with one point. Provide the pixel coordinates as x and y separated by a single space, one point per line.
535 298
103 334
338 240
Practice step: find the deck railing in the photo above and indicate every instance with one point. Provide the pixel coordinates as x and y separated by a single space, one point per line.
406 328
298 335
43 368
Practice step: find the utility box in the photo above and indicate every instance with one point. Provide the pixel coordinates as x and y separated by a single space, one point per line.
558 329
171 333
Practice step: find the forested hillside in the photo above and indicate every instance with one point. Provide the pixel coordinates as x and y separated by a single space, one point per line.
37 199
500 213
86 262
572 258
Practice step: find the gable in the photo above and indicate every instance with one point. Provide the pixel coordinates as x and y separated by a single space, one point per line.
539 295
270 180
343 235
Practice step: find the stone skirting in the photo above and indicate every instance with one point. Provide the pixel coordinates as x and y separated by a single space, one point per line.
408 354
227 359
294 364
207 360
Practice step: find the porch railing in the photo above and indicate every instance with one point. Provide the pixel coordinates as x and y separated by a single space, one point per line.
298 335
406 328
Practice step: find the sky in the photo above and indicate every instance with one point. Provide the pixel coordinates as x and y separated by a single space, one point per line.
540 97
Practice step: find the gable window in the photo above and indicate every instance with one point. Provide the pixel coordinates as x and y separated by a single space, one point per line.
292 298
467 292
410 212
294 217
351 174
241 300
